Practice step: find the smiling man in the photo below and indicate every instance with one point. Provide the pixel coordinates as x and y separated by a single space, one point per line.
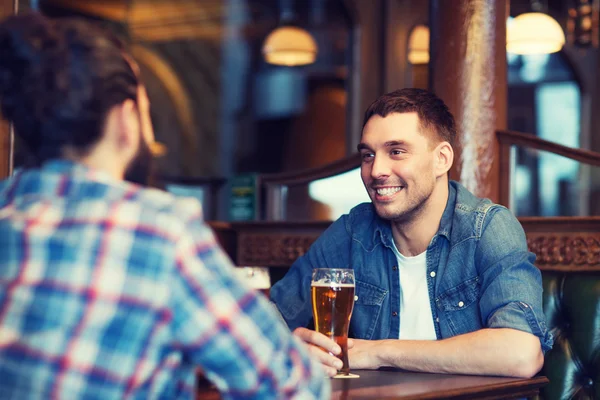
444 280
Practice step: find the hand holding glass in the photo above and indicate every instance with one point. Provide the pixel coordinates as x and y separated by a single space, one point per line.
333 300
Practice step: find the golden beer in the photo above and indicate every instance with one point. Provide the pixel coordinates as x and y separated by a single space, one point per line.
332 309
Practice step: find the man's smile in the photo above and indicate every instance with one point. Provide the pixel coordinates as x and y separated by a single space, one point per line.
387 192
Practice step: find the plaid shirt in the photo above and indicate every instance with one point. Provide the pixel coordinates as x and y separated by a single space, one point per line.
111 291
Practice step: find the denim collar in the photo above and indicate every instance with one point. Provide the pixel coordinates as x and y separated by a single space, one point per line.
383 228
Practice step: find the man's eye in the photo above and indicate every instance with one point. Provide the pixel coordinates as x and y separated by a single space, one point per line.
367 156
397 152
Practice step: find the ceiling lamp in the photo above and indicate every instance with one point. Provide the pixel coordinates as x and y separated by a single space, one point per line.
418 45
534 33
290 46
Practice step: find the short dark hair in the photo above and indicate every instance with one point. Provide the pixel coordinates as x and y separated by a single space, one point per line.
58 81
434 115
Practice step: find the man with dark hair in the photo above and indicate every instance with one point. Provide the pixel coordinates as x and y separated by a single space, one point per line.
444 280
108 289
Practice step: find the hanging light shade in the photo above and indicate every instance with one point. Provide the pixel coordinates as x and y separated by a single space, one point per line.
534 33
290 46
418 45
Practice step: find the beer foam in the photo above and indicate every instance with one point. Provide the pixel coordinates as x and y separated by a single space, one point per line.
328 285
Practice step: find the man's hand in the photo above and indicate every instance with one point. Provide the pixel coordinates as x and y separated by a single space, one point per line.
322 348
363 354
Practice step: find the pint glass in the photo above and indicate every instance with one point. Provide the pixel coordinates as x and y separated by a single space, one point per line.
333 300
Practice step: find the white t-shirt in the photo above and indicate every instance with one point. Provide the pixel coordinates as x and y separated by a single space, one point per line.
416 320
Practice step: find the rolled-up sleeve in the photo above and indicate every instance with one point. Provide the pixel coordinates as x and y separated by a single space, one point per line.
512 284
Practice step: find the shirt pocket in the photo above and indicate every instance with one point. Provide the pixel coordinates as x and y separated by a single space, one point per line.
367 308
460 305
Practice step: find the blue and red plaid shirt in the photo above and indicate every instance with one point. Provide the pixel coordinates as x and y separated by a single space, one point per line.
108 291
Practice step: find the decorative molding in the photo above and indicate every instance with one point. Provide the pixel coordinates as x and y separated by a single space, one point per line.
272 250
577 251
564 251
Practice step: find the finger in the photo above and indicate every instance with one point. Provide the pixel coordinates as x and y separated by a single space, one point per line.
350 343
328 360
318 339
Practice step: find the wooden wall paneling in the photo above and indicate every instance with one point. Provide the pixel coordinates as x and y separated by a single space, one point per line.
7 7
400 18
366 79
594 140
559 243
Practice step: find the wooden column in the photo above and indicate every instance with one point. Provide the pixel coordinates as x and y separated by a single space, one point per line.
468 71
7 7
366 74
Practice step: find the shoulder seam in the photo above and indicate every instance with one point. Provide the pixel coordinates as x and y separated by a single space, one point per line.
482 213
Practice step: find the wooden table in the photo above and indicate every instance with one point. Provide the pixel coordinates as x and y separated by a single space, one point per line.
402 385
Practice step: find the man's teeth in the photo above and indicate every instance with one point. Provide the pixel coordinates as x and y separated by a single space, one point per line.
388 191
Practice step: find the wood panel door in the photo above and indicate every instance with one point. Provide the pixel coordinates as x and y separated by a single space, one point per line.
7 7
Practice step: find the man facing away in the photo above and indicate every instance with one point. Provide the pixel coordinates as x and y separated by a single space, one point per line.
109 290
444 280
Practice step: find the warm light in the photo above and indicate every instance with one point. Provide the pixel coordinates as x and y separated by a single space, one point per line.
534 33
291 46
158 149
418 45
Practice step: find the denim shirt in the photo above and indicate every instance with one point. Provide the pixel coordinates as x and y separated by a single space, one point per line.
479 272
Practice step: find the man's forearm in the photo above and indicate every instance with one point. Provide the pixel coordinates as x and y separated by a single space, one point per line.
505 352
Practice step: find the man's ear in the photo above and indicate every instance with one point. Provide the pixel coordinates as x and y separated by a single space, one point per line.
443 158
128 124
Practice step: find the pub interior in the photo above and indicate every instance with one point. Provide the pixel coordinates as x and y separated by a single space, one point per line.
267 141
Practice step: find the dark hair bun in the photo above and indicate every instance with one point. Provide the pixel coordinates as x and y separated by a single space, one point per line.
24 42
58 80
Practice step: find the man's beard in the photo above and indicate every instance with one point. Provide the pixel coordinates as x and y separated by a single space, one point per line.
141 168
410 209
408 214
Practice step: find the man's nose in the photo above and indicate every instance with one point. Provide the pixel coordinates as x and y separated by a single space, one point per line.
380 168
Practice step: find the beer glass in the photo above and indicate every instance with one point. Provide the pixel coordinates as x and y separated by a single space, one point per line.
332 291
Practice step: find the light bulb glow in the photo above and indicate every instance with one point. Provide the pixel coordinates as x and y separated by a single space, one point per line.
418 45
534 33
290 46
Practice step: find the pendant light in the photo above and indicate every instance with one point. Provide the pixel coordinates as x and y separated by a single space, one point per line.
289 45
418 45
534 33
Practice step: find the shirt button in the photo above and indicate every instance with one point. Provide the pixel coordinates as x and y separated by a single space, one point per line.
355 298
437 320
394 314
432 274
460 303
394 268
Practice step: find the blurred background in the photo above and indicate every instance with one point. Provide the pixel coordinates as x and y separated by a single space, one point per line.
243 88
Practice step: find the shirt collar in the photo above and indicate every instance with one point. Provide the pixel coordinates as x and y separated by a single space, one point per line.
68 167
383 231
448 215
